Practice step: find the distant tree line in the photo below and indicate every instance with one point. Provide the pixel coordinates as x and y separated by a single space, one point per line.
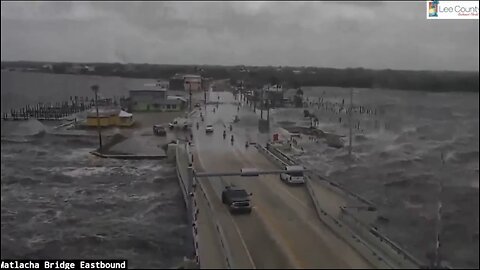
438 81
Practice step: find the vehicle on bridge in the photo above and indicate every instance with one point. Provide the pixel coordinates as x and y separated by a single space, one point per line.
237 199
159 130
293 175
182 123
209 129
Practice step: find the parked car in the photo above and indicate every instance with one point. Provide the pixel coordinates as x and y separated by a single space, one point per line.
237 199
293 175
197 105
159 130
209 129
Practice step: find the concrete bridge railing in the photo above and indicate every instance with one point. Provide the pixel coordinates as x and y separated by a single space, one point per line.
184 176
191 187
373 246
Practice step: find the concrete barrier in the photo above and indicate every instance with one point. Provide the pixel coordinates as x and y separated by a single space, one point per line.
370 246
368 252
183 157
337 186
139 157
183 179
370 234
223 240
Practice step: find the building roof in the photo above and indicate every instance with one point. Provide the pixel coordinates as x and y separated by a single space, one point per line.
149 88
192 76
103 112
124 114
176 98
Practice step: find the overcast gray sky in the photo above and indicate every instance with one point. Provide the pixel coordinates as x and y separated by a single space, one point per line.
374 35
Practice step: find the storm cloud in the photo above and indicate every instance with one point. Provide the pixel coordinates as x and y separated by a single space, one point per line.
376 35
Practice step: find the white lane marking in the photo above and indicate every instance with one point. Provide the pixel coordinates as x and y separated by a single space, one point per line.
243 242
235 226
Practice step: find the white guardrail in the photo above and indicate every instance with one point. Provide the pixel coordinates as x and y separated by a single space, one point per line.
226 250
401 257
182 174
338 187
184 157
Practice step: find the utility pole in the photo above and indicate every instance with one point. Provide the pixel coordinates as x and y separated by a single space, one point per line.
261 105
99 130
350 124
190 93
268 110
205 92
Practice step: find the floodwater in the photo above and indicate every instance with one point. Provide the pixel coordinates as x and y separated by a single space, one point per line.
59 201
398 163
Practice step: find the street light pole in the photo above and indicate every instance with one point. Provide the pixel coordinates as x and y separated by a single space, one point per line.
95 90
190 93
350 124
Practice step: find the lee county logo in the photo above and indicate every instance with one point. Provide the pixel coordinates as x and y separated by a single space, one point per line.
452 10
433 8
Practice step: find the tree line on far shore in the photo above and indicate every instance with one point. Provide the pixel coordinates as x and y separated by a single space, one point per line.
255 76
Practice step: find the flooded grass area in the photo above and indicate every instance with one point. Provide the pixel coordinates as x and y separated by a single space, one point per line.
59 201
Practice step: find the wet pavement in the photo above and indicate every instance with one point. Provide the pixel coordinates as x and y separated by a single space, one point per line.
283 230
397 155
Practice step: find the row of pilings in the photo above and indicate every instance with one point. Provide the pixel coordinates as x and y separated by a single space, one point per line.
50 110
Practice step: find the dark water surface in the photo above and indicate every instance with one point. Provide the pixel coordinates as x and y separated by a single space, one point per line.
58 201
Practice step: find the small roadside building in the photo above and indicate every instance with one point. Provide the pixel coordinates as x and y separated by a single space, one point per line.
193 82
187 82
109 117
177 83
125 119
154 98
274 93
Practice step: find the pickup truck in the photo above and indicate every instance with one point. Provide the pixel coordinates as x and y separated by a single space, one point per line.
237 199
293 175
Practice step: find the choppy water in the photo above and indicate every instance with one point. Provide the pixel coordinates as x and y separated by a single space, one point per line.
398 163
58 201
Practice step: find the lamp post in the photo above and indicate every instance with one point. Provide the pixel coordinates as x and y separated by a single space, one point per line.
95 90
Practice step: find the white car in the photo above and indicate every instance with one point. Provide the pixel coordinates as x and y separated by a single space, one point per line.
209 129
293 175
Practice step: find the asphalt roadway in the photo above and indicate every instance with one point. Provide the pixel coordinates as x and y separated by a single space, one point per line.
283 230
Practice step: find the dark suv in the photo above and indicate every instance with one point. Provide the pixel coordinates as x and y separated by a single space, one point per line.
237 199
